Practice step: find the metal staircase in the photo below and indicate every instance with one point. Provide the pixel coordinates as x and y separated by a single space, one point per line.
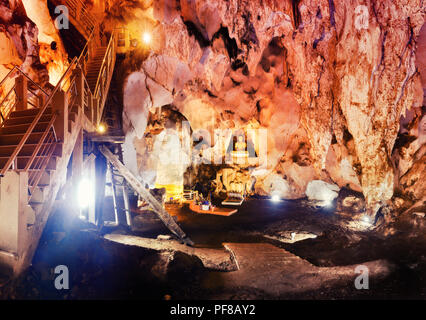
40 130
38 134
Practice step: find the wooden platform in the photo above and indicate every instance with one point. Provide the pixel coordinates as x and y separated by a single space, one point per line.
214 210
233 199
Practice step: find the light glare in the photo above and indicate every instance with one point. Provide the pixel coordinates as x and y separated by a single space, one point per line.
101 128
366 219
146 38
85 193
275 198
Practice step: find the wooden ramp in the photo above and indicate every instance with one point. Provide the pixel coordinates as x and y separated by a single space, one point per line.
146 195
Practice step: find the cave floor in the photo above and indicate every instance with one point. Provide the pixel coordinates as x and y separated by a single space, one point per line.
268 250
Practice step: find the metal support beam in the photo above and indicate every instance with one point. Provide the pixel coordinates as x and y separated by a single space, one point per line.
21 93
101 170
146 195
60 105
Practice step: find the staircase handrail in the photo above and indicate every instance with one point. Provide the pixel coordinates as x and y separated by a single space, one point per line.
109 65
76 62
37 118
11 75
25 75
85 53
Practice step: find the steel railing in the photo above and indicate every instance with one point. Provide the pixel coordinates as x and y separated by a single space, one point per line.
36 120
42 153
9 99
105 74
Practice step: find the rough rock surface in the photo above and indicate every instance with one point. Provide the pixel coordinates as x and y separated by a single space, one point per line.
322 191
52 52
338 74
19 45
336 84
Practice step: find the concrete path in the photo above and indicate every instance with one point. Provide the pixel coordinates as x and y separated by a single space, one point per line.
276 271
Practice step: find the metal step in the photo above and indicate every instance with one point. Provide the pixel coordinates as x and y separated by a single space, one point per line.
23 161
15 139
30 215
27 150
25 120
45 176
22 128
28 112
39 195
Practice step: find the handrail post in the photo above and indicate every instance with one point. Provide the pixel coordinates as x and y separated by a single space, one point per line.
78 11
41 100
21 93
79 81
77 161
60 105
94 109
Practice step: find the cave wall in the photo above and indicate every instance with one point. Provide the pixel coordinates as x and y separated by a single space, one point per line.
336 75
336 84
20 45
52 52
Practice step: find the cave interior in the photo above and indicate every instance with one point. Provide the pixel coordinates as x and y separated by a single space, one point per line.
213 149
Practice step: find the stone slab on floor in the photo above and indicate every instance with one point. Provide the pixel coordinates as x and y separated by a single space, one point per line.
276 271
214 259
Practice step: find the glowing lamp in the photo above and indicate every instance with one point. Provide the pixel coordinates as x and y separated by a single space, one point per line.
101 128
85 193
275 198
366 219
146 38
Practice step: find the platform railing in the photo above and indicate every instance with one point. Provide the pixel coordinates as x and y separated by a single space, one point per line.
105 75
12 87
21 93
12 159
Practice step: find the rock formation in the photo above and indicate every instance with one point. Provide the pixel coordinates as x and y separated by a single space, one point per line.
336 75
19 34
335 84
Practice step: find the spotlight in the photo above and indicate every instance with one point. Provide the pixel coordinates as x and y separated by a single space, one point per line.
366 219
275 198
85 193
101 128
146 38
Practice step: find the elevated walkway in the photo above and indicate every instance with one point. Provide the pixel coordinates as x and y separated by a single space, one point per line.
39 131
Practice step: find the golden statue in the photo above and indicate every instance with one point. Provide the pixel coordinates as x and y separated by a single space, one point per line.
240 155
240 145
